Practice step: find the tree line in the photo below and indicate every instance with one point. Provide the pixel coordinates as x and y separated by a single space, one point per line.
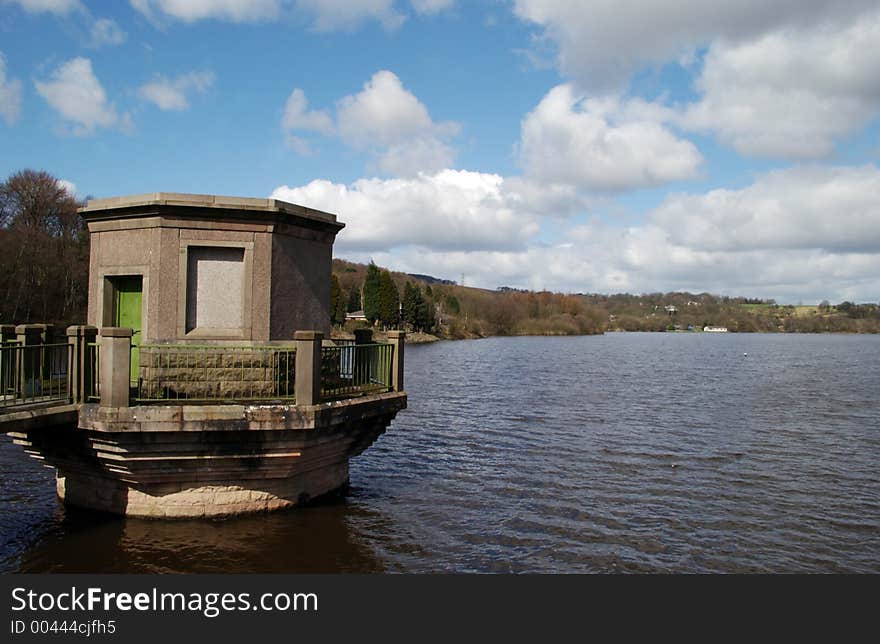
44 252
397 300
379 298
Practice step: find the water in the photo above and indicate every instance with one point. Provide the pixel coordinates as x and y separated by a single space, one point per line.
625 452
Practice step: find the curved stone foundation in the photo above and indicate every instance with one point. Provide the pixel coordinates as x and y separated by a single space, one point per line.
177 502
193 461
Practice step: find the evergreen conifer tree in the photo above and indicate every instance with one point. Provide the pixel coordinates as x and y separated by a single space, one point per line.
389 300
354 300
370 297
335 297
411 301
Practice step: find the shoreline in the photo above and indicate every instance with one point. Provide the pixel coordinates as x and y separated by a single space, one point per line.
428 338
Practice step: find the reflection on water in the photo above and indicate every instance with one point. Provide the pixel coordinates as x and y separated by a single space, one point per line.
627 452
315 540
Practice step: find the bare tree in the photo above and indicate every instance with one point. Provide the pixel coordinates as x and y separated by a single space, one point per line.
43 251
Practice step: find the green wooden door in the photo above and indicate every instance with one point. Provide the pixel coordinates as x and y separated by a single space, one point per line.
128 314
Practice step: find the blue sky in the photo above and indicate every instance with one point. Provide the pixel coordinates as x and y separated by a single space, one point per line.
582 147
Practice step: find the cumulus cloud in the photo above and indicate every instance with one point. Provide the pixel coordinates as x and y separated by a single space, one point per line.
388 119
602 144
171 93
297 116
449 210
821 208
790 93
105 32
601 43
77 95
384 119
801 233
194 10
10 95
780 79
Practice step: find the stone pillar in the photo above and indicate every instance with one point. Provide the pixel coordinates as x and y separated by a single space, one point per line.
308 367
115 367
7 333
81 371
30 359
396 338
7 358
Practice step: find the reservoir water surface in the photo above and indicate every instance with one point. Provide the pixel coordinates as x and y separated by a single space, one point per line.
667 452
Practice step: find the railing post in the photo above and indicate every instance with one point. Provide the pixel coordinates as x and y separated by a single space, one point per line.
363 365
80 371
396 338
29 361
308 367
115 366
47 336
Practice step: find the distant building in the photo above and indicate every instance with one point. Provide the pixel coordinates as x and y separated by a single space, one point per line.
670 309
356 315
715 329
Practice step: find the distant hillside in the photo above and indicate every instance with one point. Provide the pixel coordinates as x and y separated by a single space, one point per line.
467 312
427 279
463 311
681 311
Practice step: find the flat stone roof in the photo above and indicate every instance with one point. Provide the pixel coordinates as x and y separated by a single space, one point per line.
178 199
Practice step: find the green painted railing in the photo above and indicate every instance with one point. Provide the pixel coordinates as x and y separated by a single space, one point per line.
215 373
34 374
355 369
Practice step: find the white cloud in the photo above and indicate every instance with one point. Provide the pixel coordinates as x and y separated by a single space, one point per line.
326 15
105 31
79 98
10 95
389 120
330 15
790 93
58 7
803 233
171 94
602 144
819 208
297 116
227 10
384 119
452 209
428 7
600 43
385 113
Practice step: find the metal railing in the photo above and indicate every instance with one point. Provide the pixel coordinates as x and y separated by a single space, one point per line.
349 370
34 373
215 373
